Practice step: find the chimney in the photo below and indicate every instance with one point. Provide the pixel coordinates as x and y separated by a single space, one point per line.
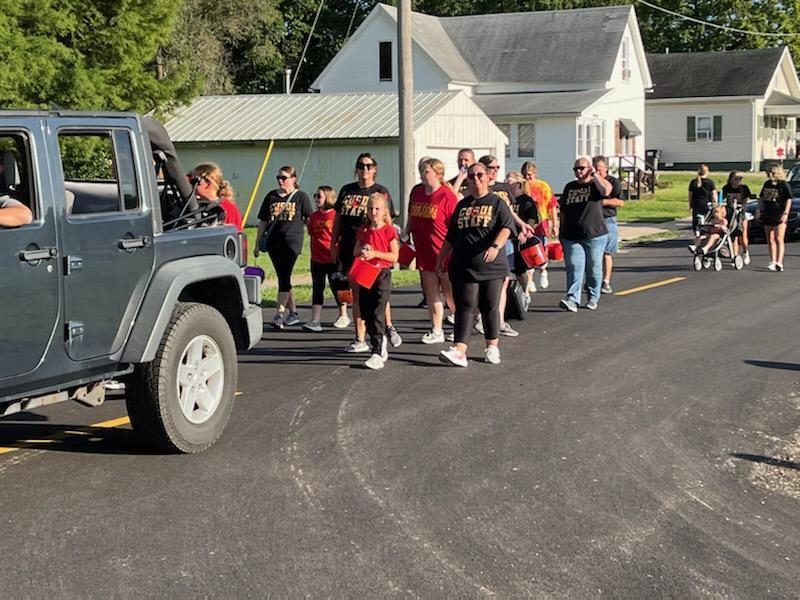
288 81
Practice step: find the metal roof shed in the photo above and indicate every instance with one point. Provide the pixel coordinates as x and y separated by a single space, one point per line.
321 134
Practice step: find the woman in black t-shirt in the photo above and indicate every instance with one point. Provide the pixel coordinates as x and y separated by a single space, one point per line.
774 203
701 191
478 230
736 194
351 214
280 233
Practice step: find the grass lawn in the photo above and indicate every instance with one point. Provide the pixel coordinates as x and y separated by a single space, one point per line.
671 198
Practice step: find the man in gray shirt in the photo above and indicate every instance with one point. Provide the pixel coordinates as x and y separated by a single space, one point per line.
14 213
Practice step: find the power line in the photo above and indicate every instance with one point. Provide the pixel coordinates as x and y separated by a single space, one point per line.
352 20
716 25
308 42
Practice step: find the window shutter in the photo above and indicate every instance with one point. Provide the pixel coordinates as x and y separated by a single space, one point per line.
717 128
691 132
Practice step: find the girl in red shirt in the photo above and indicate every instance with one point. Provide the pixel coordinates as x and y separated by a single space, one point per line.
429 211
377 243
320 230
213 187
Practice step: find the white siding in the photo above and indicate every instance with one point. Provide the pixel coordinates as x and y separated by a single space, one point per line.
666 130
555 150
355 67
459 124
329 163
624 101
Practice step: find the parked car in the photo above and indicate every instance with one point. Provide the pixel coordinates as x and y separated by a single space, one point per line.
120 276
756 230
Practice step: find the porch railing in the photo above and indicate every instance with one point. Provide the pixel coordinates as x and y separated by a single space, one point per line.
636 175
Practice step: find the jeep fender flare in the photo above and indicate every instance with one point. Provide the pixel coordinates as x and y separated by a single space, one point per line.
163 294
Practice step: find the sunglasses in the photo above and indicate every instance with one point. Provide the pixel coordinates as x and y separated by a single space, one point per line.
364 166
493 167
317 196
476 175
283 177
579 169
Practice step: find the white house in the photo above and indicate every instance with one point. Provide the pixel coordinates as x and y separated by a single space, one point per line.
559 83
733 110
321 135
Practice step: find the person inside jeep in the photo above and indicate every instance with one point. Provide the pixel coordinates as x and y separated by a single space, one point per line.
14 213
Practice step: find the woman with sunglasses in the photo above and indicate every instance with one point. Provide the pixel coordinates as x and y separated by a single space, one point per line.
583 233
213 187
280 230
774 203
351 214
478 231
736 194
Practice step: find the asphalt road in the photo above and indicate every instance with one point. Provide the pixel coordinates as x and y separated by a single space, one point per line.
651 448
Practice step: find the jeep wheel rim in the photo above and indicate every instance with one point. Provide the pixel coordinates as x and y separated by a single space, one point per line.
201 378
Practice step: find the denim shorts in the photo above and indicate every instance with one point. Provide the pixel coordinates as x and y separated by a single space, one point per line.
611 244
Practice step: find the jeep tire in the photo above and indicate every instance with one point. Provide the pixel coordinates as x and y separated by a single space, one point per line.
182 400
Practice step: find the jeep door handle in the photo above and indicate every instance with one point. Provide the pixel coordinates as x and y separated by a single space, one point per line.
33 256
133 243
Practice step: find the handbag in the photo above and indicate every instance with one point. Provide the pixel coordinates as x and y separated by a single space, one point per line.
263 242
518 302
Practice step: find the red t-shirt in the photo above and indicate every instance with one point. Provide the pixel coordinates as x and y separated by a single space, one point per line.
320 229
429 217
379 240
232 214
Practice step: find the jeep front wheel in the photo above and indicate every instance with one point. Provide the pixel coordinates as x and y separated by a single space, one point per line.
182 400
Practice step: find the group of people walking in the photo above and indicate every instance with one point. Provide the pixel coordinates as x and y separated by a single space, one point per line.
774 205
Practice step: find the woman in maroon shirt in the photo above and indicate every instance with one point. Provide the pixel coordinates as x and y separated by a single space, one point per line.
430 208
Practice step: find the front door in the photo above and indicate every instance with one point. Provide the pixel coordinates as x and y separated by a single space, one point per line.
106 237
29 299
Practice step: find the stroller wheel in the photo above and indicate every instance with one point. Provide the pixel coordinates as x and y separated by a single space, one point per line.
718 264
738 262
697 263
706 263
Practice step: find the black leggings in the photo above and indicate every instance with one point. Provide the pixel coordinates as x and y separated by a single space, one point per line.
318 273
283 260
372 302
469 294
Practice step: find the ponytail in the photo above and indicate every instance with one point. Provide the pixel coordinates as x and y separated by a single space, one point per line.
226 190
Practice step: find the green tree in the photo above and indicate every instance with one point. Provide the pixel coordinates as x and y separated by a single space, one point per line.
88 54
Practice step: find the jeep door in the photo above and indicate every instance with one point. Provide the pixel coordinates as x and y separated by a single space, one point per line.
106 234
29 299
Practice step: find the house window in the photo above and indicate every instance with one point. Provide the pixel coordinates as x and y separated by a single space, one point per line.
591 137
506 129
626 63
526 140
704 128
385 61
598 138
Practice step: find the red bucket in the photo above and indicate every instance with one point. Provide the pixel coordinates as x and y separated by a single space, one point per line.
534 255
407 254
363 273
555 251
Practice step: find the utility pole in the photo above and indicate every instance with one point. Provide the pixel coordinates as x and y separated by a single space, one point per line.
405 96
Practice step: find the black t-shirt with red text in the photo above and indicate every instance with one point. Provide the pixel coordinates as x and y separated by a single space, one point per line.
351 205
581 206
473 228
288 212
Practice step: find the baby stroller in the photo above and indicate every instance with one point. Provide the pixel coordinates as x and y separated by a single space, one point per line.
723 247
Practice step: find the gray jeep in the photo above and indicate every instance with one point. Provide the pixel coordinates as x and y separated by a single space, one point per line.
121 275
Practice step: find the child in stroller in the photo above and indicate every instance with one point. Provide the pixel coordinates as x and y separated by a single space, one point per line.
716 240
711 231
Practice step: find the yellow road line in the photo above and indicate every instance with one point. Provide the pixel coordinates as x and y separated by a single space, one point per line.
5 450
112 423
649 286
238 393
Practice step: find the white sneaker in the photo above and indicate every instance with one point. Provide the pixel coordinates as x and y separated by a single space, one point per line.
394 338
450 319
453 356
772 266
357 347
450 337
313 326
492 355
506 329
591 305
342 322
375 362
113 384
779 266
293 319
531 289
544 280
747 257
479 324
433 337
